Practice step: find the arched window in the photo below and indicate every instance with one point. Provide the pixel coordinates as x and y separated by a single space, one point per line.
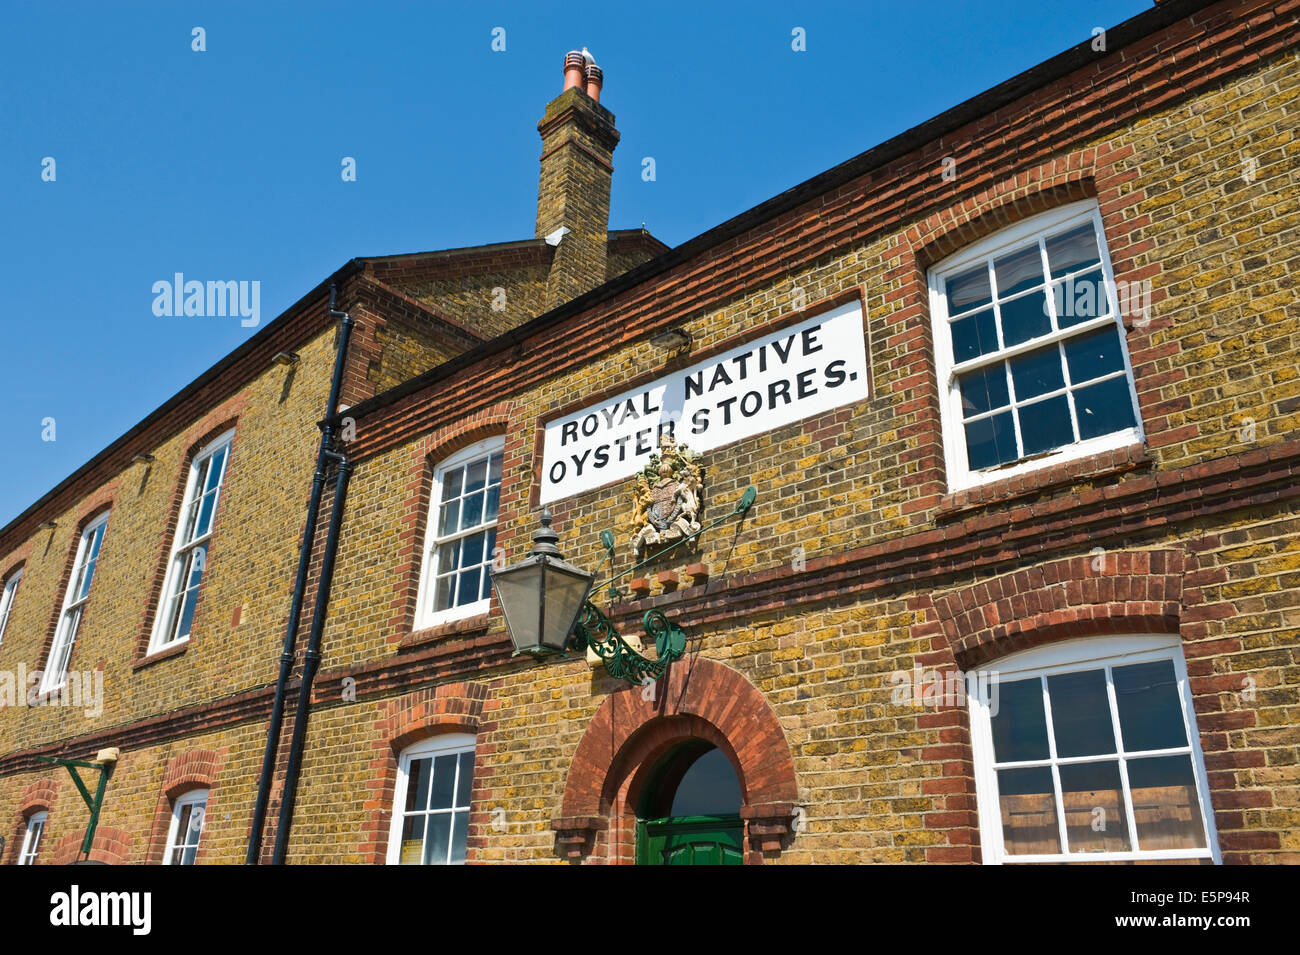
32 838
1030 348
431 806
189 812
190 545
74 603
461 534
7 596
1087 750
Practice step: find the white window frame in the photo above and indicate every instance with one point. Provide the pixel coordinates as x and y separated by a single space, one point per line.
162 637
443 745
1072 655
960 476
7 597
425 615
73 611
192 798
32 837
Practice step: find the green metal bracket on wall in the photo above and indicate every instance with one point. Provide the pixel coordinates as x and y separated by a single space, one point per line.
594 630
94 803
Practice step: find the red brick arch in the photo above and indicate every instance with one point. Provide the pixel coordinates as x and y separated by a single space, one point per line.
111 846
195 769
632 730
1089 595
39 796
449 708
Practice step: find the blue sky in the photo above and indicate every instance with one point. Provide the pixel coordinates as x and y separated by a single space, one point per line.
225 164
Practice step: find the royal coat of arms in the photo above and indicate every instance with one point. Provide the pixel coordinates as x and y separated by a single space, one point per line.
667 496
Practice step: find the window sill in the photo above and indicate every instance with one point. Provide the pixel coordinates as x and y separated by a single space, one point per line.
1104 464
166 653
450 628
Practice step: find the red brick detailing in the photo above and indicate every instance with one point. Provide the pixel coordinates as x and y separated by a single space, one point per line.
407 719
502 418
91 508
196 769
1106 593
219 421
1040 482
39 796
111 846
696 699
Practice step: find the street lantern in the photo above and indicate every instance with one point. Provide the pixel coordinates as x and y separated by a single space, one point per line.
542 595
547 610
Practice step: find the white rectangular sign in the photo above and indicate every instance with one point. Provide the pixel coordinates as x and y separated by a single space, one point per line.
802 370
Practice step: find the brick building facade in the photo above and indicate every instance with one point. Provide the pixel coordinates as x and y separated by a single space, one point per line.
1111 523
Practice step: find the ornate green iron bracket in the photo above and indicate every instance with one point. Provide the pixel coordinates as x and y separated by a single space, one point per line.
93 803
594 630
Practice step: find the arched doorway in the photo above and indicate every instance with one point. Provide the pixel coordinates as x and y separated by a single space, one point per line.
639 748
689 813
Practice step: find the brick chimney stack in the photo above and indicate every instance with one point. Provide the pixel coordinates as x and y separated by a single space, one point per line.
578 140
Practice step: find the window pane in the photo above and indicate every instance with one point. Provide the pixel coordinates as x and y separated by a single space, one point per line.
1073 250
1019 723
1018 271
983 390
207 506
1080 299
417 785
471 514
216 468
1165 805
459 833
444 781
494 469
1094 807
1027 801
492 504
452 483
476 476
1104 408
1045 425
968 290
973 336
466 778
1150 710
442 595
990 441
1093 355
1024 318
1081 713
412 850
186 623
471 550
449 520
438 838
467 589
1037 373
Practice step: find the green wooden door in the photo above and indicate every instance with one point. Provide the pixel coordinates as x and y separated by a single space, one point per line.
690 840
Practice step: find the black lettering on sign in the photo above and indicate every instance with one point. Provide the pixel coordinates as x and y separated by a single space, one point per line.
700 421
569 430
560 467
835 373
806 388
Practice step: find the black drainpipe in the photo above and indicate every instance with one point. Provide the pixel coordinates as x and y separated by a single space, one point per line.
311 662
323 457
